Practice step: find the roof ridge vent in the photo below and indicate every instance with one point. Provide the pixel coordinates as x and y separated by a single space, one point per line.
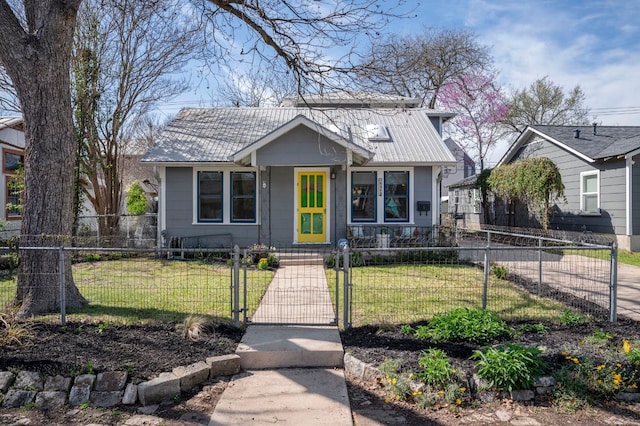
576 133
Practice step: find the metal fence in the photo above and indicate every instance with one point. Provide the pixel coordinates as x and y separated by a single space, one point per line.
516 276
131 231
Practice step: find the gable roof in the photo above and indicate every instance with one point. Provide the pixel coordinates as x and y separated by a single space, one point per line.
301 120
607 142
205 135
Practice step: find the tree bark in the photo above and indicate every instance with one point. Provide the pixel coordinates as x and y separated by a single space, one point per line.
37 60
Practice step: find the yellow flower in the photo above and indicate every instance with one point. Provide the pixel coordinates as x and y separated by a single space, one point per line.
458 401
575 360
600 367
397 397
618 365
563 353
386 400
393 381
617 378
626 346
417 392
463 389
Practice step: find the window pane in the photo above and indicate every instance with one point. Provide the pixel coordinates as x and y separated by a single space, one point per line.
210 196
303 191
12 161
244 183
591 203
363 196
243 209
590 183
318 223
305 223
319 194
243 194
396 189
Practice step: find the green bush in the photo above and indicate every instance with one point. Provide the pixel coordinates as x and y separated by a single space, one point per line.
509 366
136 199
571 318
463 324
500 272
436 368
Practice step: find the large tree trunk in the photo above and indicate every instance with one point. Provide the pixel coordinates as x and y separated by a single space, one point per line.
39 68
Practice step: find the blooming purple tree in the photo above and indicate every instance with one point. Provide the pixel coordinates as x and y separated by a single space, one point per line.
480 107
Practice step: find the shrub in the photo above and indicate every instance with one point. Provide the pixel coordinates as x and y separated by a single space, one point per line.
263 264
463 324
509 366
499 271
598 339
136 199
436 369
571 318
533 328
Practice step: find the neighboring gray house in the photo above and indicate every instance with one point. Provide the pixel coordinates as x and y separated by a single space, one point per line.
311 173
465 167
601 172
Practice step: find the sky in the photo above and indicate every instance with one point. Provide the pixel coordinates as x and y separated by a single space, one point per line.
591 43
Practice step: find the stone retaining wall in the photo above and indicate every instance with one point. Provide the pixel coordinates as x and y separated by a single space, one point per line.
110 388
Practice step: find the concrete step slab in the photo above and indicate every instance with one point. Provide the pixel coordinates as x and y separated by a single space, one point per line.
265 347
285 396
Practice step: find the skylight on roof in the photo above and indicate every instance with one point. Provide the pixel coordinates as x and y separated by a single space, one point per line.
378 133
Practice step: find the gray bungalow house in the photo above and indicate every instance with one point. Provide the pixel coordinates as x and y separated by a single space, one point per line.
308 173
601 172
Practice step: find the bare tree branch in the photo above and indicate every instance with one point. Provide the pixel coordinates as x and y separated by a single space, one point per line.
418 66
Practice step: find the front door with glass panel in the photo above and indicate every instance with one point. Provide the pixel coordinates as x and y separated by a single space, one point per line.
312 209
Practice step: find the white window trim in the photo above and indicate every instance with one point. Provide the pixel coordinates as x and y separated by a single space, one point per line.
582 193
226 195
380 194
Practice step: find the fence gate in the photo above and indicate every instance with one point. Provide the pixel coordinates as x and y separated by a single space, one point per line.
296 292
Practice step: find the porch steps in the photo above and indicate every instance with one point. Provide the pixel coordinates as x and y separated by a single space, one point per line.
300 258
272 347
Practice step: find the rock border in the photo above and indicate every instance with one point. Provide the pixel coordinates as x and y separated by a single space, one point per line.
108 389
542 386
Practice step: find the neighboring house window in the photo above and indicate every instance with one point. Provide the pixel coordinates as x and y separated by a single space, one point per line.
243 196
396 196
12 161
590 192
363 196
210 196
13 201
469 170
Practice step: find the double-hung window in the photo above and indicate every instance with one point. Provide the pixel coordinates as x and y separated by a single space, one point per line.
396 196
226 196
210 196
590 192
363 196
243 196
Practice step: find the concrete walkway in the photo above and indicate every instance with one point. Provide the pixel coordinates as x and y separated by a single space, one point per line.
292 374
